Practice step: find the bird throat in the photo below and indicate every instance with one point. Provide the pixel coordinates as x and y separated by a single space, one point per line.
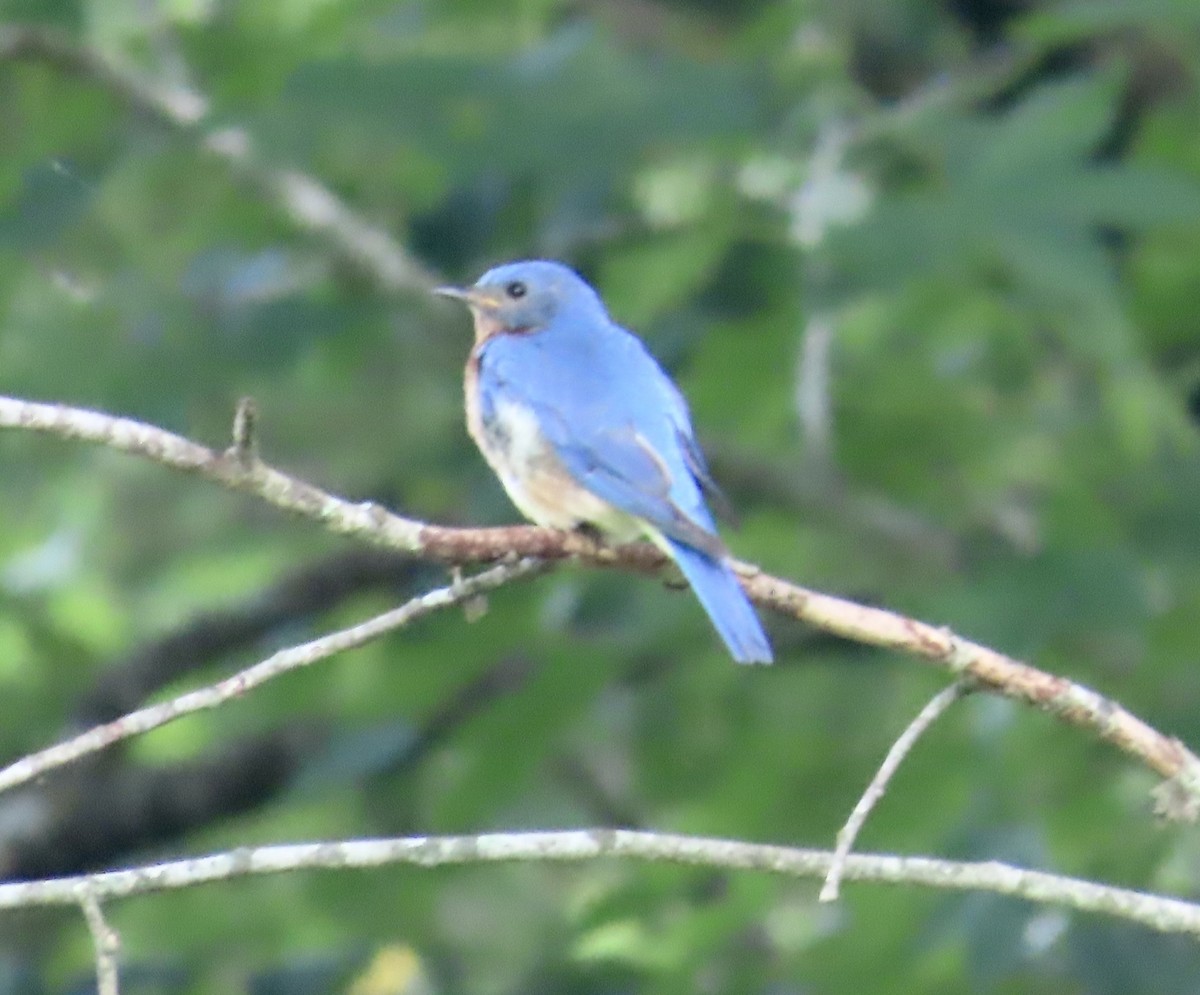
487 327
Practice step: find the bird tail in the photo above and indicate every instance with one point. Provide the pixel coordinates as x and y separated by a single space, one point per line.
726 603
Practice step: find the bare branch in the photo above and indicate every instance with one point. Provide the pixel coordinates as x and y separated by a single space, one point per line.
124 682
1069 702
105 942
936 706
170 106
245 432
306 202
1166 915
110 805
292 658
124 434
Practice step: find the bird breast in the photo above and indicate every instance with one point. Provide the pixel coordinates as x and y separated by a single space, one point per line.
514 445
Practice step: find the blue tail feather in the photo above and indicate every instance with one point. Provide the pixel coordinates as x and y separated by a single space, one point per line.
732 615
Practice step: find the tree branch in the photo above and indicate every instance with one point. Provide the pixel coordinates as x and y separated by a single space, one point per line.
1069 702
1166 915
105 943
933 709
124 683
306 202
95 814
151 717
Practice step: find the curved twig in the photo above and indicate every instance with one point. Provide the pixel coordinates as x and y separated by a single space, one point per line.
932 711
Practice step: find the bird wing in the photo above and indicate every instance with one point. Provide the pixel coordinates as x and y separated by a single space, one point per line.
620 465
685 437
697 466
614 427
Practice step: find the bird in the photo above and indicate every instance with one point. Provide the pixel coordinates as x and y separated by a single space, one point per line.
586 431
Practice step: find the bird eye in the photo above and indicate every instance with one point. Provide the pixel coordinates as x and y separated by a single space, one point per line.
516 290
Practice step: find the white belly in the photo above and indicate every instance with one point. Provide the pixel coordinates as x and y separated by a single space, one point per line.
536 480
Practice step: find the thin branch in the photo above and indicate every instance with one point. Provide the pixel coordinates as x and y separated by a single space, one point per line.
124 682
104 810
105 942
933 709
245 432
1166 915
152 716
360 520
305 201
1065 700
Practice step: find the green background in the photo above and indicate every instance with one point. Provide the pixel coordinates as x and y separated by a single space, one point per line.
971 225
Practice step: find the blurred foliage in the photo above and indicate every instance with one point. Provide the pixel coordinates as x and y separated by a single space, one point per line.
994 205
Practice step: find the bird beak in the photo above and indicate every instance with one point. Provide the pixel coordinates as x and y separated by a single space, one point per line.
475 298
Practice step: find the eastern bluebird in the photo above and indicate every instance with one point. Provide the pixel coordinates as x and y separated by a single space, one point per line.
584 428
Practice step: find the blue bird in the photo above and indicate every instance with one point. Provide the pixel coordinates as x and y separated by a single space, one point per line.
584 429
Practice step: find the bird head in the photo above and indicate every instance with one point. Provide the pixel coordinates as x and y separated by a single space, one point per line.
523 297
